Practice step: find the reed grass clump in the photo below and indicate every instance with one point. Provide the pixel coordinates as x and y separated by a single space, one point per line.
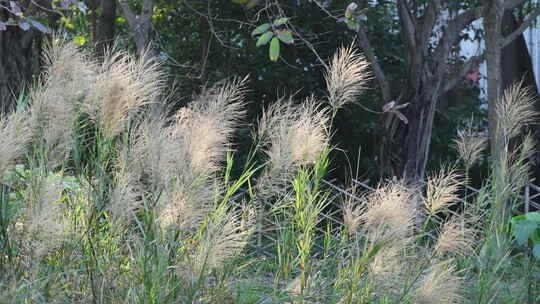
113 201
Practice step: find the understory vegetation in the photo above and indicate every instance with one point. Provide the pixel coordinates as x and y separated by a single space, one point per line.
110 197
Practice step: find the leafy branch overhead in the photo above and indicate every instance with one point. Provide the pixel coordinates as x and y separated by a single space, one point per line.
19 19
273 33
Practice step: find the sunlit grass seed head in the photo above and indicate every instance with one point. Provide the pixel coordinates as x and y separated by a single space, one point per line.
291 135
184 206
469 145
515 110
347 77
352 215
388 267
442 190
66 81
225 237
206 127
390 212
123 84
439 286
457 236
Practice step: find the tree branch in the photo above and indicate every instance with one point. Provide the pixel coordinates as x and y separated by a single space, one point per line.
524 25
377 70
428 23
451 81
407 23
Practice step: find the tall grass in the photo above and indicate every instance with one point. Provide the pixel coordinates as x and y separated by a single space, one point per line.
105 200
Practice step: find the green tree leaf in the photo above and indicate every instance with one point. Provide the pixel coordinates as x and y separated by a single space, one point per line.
286 37
281 21
274 49
265 38
260 29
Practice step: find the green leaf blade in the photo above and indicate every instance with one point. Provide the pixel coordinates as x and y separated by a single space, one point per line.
286 37
274 49
265 38
261 29
281 21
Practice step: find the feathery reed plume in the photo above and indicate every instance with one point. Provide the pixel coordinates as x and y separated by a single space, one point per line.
184 206
457 236
442 189
293 135
469 145
124 196
439 286
66 81
45 216
346 77
14 137
352 216
390 212
519 163
208 124
389 266
514 110
191 147
123 83
226 235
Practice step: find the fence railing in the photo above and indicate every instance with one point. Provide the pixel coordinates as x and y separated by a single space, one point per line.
267 233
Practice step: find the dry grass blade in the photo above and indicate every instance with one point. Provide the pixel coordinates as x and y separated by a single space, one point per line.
346 78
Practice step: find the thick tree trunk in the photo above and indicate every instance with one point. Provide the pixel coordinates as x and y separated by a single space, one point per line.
16 65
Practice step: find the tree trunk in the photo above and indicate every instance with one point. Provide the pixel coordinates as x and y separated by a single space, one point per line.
106 26
16 68
492 27
139 25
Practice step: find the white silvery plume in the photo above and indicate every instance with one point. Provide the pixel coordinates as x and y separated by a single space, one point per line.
469 144
122 84
442 190
184 206
514 110
439 286
226 235
292 135
125 194
457 236
346 77
65 83
206 127
390 212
